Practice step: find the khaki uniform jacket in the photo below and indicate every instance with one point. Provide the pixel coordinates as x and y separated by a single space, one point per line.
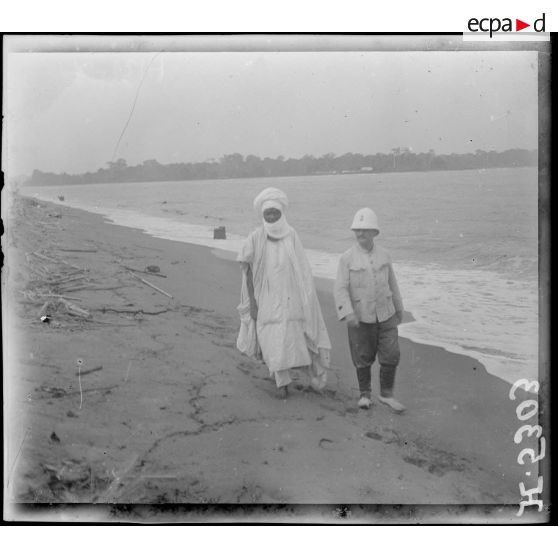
366 285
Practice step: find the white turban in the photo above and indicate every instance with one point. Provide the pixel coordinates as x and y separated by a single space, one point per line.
271 194
273 197
267 204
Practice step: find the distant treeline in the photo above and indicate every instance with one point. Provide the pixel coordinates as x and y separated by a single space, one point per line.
238 166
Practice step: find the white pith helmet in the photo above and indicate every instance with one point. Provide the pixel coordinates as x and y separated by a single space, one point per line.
365 218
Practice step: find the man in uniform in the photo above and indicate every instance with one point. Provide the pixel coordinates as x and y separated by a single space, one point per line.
367 298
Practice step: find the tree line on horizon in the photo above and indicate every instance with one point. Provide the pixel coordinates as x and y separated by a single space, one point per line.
237 166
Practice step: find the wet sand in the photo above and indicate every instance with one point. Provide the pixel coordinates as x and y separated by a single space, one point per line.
176 415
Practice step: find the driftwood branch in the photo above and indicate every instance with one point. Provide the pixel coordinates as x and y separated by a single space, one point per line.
151 285
38 269
86 288
131 311
75 310
65 280
45 257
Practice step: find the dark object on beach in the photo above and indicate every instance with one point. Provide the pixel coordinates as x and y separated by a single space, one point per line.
61 198
146 270
153 268
45 318
219 233
55 438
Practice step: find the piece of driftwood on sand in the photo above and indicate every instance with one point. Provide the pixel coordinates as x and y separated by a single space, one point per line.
75 310
61 281
100 288
151 285
48 258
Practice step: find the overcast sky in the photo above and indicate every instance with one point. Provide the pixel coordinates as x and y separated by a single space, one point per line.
67 111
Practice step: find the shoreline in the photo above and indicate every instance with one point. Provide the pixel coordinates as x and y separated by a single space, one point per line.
496 364
175 398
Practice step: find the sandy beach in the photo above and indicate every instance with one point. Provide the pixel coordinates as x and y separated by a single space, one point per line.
165 410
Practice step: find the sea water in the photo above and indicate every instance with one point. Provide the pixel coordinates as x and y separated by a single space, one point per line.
464 243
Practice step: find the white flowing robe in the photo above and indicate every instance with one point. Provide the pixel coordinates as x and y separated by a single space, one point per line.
290 330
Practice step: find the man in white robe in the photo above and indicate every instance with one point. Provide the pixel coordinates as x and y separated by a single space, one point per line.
281 318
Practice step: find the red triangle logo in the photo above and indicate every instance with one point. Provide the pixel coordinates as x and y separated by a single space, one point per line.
519 25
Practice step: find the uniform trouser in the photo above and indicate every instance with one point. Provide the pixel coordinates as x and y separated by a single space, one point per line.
368 340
